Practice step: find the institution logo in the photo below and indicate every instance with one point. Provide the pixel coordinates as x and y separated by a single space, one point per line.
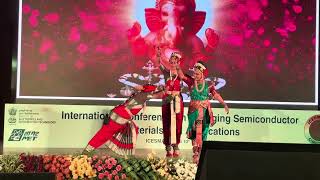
312 129
23 135
12 113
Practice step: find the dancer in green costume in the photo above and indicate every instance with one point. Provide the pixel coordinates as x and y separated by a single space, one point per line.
200 115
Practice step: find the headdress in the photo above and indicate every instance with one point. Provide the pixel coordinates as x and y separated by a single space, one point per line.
175 54
189 3
201 67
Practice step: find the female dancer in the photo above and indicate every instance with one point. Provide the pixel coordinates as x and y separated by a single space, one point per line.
200 115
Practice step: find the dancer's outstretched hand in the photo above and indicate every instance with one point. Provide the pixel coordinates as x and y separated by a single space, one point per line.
138 88
211 123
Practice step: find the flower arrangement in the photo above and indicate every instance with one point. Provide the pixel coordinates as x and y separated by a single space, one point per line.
32 163
184 169
100 167
81 167
10 164
173 169
57 164
107 167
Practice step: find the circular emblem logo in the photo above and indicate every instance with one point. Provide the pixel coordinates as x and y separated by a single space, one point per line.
312 129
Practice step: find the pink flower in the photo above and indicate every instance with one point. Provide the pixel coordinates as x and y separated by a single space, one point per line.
99 162
271 57
33 21
297 9
74 34
118 168
101 176
95 157
45 46
255 14
114 172
266 43
99 168
52 18
290 26
116 177
109 160
114 161
274 50
26 8
282 32
106 173
123 176
248 33
96 166
89 25
82 48
109 166
260 31
110 176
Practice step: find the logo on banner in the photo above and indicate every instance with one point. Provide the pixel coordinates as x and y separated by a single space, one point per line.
312 129
23 135
12 113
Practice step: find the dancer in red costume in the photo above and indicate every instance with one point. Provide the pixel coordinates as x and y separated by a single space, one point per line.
120 132
172 105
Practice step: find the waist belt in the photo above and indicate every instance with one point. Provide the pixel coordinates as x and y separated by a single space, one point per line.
118 119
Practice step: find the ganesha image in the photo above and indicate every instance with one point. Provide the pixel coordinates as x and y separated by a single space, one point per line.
173 26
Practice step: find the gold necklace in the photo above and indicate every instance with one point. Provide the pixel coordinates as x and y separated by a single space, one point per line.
172 80
202 88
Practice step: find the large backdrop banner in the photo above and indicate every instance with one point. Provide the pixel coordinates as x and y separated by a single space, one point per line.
101 49
72 126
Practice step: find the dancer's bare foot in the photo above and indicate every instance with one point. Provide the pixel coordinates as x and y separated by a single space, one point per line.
195 158
176 151
169 151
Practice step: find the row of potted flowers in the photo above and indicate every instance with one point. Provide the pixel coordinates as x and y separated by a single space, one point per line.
99 167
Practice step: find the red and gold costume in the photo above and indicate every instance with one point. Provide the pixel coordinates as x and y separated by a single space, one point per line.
119 132
172 111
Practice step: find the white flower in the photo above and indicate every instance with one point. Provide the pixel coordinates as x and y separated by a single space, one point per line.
181 161
187 166
181 172
191 174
